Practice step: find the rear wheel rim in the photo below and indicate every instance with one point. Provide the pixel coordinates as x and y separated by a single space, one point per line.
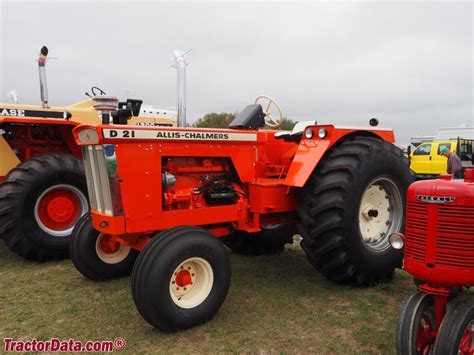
191 283
58 208
380 213
466 344
110 251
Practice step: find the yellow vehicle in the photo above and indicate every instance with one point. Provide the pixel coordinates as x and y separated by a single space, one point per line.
427 160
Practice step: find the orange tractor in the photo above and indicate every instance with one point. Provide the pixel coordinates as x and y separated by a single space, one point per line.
44 193
173 194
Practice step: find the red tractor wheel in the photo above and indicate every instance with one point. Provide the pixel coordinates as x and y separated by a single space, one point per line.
416 325
456 334
58 209
40 202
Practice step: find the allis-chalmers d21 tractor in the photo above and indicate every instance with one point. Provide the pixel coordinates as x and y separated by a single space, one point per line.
43 193
439 253
169 192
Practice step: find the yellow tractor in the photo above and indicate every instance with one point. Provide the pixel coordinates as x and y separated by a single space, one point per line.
43 190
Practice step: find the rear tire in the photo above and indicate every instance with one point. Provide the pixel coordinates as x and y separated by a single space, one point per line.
181 278
456 332
40 202
95 257
353 200
415 322
270 240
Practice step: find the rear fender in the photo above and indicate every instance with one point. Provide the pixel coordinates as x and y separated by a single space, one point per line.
311 151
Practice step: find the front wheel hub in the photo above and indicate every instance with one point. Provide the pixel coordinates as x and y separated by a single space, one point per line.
191 283
110 251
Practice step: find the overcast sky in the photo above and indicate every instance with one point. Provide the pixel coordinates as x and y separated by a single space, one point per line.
410 64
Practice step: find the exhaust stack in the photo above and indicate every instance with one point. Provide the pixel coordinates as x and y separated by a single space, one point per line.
42 76
180 65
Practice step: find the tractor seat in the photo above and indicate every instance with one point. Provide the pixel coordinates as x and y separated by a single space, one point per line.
296 133
251 117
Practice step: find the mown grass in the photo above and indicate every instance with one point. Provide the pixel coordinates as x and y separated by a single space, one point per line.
276 304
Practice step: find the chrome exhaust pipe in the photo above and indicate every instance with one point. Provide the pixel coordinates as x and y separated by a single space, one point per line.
180 65
42 76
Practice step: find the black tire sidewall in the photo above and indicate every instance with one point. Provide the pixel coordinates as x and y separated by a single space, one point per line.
153 296
84 255
453 327
417 304
369 170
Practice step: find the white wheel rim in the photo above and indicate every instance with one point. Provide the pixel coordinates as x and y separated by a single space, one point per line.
83 209
380 213
113 255
191 283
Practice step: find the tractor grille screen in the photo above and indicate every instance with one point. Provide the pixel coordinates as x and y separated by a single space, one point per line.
442 234
98 184
455 236
417 221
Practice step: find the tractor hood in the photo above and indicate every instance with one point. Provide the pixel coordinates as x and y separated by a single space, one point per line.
81 112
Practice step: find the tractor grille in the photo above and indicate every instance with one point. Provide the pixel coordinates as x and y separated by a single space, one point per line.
98 184
416 226
446 238
455 236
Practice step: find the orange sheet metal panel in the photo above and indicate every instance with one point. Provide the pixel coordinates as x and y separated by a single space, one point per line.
191 217
270 196
139 169
108 224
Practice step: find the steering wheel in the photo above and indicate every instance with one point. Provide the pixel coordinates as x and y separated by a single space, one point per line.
268 102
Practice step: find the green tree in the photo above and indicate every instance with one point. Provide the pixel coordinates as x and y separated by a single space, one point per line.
215 120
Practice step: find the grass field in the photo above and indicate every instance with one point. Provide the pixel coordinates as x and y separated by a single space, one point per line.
275 304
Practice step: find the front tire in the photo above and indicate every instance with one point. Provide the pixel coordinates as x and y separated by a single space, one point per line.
181 278
270 240
416 325
456 332
40 202
96 255
350 205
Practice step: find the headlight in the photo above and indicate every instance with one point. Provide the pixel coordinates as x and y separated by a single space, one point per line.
88 135
309 133
322 133
396 240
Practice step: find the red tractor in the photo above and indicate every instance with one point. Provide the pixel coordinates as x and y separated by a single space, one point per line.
174 193
439 253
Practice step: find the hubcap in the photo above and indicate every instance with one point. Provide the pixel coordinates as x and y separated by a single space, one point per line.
110 251
191 283
380 213
58 208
